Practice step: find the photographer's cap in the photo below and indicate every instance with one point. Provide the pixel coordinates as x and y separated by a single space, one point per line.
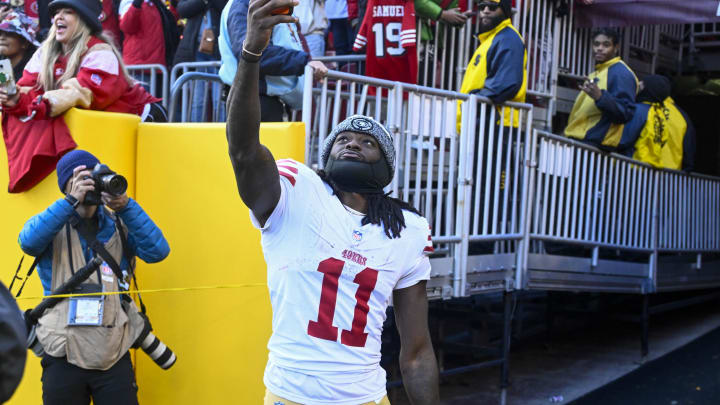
70 161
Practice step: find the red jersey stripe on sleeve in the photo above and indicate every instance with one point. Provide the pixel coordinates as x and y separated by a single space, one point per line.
429 248
288 176
291 169
288 168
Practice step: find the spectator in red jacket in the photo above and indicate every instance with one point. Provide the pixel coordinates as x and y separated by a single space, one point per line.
76 65
110 21
150 32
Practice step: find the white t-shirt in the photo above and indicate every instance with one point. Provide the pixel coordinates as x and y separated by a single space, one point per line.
330 280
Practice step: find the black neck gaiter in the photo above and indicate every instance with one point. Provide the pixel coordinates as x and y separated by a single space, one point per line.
358 177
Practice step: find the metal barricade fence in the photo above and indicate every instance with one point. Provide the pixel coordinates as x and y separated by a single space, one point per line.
688 212
538 24
200 101
493 194
589 198
340 95
192 79
435 165
496 186
345 63
185 67
440 63
574 52
154 77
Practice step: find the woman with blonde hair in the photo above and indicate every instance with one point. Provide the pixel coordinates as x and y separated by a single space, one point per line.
76 66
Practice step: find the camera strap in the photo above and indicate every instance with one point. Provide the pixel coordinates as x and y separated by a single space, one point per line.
130 259
99 248
27 276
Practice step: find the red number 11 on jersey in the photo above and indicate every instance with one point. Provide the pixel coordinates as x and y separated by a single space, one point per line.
323 328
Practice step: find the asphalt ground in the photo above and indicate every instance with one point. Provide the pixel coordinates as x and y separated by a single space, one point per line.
688 375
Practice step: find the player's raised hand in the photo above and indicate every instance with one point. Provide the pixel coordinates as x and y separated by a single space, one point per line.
261 21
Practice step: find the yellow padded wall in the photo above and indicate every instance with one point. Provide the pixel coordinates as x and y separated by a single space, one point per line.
186 184
109 136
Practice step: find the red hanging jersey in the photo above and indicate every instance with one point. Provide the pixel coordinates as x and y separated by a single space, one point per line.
388 33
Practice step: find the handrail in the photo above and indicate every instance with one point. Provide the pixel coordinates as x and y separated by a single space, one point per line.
153 67
340 58
616 155
334 74
177 86
188 65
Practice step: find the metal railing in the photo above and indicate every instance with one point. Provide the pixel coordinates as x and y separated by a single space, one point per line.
673 31
584 197
590 198
179 103
688 212
435 164
200 99
186 67
439 55
495 187
539 26
575 53
154 77
345 63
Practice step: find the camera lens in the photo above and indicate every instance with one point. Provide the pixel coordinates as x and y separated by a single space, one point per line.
114 184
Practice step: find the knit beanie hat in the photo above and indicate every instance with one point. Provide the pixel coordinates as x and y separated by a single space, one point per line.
505 5
365 125
70 161
88 10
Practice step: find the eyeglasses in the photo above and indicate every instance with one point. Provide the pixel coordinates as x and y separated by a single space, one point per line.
492 6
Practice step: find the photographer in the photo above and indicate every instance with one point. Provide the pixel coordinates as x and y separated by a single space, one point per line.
87 355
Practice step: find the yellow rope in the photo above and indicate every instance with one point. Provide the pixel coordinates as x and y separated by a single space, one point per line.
211 287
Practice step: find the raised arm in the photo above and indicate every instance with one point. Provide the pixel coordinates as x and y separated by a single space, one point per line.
255 171
417 358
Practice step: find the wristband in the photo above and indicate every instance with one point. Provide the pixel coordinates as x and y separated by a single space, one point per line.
250 57
72 200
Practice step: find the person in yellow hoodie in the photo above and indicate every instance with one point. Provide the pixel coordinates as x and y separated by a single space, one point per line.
498 69
607 98
660 133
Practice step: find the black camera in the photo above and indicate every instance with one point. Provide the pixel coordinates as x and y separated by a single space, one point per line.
105 180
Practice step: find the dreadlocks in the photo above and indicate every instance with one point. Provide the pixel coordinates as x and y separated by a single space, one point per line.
382 210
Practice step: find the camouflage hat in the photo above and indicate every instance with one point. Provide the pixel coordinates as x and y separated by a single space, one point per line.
18 23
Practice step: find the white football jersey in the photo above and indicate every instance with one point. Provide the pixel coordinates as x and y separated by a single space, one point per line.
331 280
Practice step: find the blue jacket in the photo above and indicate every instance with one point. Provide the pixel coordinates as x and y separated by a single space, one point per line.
601 122
275 60
144 237
498 70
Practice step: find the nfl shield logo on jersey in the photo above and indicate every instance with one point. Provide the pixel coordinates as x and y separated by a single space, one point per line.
357 236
